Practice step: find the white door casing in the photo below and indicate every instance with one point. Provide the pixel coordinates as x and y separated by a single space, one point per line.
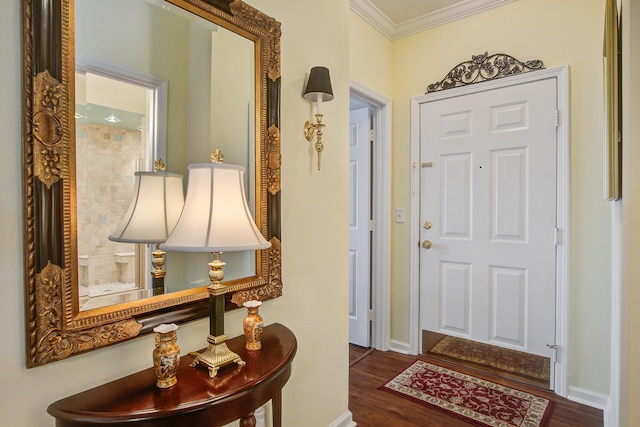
359 231
380 110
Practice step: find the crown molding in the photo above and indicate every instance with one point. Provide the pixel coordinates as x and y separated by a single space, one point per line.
374 16
393 31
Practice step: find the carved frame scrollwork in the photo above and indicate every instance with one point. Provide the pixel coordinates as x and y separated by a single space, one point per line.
55 328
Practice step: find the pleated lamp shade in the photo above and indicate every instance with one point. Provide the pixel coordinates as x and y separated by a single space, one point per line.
215 217
154 210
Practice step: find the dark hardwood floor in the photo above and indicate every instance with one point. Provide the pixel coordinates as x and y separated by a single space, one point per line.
376 408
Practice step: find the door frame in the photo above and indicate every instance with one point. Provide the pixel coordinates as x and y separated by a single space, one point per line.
381 214
561 75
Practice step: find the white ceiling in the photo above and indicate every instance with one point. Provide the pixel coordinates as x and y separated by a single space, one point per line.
400 18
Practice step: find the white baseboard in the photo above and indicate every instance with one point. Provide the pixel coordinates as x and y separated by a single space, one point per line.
400 347
260 416
588 397
344 421
609 416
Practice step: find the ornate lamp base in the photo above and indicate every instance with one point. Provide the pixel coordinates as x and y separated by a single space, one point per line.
217 355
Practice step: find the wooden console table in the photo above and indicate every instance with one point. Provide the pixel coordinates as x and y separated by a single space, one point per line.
196 400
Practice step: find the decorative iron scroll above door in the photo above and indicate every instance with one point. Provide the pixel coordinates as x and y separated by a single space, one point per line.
482 68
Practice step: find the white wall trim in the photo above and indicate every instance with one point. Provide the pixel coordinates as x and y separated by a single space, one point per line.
561 74
396 30
623 406
381 244
344 421
401 347
561 378
374 17
260 414
588 397
618 297
610 413
444 16
414 235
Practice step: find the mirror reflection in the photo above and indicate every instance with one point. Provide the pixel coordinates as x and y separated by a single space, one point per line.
152 81
218 90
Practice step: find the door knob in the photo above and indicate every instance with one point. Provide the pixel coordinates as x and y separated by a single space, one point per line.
426 244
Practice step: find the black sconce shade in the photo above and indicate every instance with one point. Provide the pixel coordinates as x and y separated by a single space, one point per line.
319 82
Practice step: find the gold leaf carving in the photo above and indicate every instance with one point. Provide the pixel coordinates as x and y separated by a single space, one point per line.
57 345
53 343
49 165
267 24
48 129
273 159
271 290
46 121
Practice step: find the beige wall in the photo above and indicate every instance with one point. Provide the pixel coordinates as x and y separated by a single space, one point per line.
369 57
314 228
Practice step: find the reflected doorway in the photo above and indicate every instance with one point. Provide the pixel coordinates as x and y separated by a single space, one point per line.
117 134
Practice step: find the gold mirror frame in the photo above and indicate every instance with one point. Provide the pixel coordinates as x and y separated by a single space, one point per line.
55 327
612 98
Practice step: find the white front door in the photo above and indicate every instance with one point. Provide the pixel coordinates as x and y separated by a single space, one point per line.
359 235
488 208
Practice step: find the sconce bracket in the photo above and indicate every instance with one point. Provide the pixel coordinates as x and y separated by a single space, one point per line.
310 129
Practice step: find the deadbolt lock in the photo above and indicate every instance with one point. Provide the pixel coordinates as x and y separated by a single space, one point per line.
426 244
427 225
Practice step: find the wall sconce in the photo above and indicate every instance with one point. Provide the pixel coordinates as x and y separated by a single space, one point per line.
152 214
318 90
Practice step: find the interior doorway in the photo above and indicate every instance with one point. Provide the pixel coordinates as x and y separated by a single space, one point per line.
124 135
371 286
488 206
505 300
488 196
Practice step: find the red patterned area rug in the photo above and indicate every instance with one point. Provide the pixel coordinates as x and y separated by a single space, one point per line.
473 399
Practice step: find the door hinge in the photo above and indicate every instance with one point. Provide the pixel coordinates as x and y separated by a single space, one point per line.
372 225
372 135
556 236
554 352
557 118
370 315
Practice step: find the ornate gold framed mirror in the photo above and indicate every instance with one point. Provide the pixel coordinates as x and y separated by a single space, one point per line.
56 325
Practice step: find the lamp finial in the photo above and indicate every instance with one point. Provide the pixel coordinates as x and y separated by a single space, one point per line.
159 165
217 156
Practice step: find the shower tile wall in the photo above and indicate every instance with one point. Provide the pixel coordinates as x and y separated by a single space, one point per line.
105 166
